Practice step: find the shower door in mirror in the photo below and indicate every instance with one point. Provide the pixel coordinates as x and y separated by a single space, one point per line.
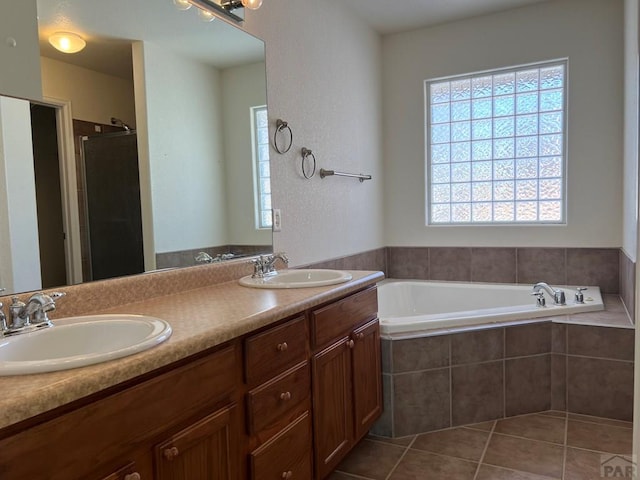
112 207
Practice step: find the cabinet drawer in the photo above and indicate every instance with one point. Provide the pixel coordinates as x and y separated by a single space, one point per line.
339 318
274 399
286 456
271 352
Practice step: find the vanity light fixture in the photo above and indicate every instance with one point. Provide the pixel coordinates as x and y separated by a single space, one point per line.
208 8
182 4
206 15
233 4
67 42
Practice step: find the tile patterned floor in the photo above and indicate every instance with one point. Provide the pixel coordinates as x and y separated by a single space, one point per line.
545 446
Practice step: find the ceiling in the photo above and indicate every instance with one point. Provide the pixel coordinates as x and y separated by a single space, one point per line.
109 27
392 16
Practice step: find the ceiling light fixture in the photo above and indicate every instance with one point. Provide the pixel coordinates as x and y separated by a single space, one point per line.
67 42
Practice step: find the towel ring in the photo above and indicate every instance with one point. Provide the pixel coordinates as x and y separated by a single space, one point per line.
282 126
308 153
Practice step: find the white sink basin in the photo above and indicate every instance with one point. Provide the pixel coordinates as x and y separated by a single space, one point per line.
298 279
79 341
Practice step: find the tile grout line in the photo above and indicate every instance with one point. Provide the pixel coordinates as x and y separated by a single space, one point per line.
450 385
484 451
406 450
564 450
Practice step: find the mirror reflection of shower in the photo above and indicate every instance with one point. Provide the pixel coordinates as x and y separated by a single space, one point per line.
119 123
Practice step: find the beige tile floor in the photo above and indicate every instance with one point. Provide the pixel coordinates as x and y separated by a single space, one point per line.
545 446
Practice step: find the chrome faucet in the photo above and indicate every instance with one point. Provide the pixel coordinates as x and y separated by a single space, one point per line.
558 295
203 257
30 316
263 265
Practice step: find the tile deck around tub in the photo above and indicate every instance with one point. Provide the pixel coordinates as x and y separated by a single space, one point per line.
551 445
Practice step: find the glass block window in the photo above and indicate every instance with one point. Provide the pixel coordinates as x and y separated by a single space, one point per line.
262 171
495 146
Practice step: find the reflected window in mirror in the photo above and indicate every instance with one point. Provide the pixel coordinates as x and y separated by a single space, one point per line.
261 169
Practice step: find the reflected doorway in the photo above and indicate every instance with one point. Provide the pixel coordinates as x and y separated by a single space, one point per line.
46 160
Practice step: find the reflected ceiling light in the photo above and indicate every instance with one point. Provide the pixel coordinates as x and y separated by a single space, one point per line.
206 15
67 42
182 4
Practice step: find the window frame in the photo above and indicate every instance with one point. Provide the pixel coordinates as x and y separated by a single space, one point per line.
564 151
258 207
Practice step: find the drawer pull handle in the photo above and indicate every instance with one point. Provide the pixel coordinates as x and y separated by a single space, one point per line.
284 396
171 453
282 347
132 476
287 475
351 343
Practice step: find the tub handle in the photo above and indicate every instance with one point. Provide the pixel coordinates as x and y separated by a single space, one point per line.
579 295
540 300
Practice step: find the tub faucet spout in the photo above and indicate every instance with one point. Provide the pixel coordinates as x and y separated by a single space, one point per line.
558 295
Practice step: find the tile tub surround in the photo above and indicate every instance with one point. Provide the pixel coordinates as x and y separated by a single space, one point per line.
201 318
556 266
452 379
548 446
628 282
609 268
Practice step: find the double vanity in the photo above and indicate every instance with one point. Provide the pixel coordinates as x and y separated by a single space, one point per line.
259 383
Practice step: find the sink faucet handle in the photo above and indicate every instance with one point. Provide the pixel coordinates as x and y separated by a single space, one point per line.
16 313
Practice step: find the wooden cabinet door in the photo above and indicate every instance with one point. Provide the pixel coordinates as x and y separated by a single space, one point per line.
367 377
332 409
206 450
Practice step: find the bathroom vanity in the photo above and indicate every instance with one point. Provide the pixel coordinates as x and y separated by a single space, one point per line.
283 392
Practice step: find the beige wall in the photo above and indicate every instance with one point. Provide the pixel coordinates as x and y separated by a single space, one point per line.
183 122
94 96
19 50
590 34
630 202
323 77
243 87
20 265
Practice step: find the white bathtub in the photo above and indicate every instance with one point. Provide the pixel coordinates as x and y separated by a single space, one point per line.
418 306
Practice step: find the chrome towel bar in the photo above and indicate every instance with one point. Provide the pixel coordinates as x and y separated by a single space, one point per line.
359 176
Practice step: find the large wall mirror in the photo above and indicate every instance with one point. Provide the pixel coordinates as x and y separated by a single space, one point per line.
148 149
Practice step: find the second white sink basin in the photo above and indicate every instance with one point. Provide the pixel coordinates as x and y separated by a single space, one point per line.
298 278
80 341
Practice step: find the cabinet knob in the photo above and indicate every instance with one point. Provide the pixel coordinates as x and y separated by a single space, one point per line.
285 396
132 476
351 343
359 336
282 346
171 453
287 475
